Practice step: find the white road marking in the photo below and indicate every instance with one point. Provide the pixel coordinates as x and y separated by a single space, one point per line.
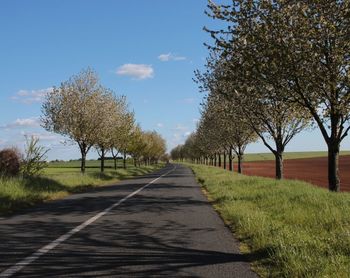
28 260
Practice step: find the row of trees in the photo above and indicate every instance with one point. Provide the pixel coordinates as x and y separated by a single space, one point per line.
221 133
94 117
276 68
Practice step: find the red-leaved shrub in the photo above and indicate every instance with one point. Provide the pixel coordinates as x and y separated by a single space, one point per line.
9 162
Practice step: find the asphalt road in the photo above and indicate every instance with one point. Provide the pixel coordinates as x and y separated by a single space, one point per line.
166 229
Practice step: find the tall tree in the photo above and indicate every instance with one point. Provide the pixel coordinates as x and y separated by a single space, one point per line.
113 113
121 134
136 144
252 80
154 147
73 110
302 46
317 67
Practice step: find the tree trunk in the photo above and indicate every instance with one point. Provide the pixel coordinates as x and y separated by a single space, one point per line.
225 166
219 160
114 155
215 160
102 160
279 164
230 160
333 167
239 157
124 160
83 162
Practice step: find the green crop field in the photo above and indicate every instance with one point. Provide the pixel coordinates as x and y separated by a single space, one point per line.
289 228
60 179
287 155
90 164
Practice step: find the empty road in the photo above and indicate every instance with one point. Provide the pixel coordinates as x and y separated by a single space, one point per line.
152 226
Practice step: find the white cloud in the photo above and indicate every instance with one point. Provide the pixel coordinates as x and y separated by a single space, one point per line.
170 57
43 136
195 120
31 96
137 71
160 125
180 127
28 122
164 57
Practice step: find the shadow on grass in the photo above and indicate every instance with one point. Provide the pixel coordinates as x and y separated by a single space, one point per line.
43 188
42 184
119 174
38 187
78 167
104 176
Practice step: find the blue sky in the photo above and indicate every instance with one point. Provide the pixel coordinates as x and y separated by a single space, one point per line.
144 49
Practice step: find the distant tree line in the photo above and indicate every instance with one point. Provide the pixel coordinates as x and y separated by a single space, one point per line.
275 68
93 116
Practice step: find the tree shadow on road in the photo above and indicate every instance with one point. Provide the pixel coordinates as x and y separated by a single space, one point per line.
128 249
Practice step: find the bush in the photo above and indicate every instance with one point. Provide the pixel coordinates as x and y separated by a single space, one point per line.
9 162
34 159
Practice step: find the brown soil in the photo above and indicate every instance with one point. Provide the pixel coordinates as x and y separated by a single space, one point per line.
313 170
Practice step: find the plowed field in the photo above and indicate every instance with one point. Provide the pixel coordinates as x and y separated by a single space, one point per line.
313 170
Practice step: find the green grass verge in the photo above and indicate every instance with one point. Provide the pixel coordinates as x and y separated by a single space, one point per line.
290 228
287 155
57 182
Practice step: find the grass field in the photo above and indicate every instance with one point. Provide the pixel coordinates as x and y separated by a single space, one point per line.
290 228
59 180
287 155
89 164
